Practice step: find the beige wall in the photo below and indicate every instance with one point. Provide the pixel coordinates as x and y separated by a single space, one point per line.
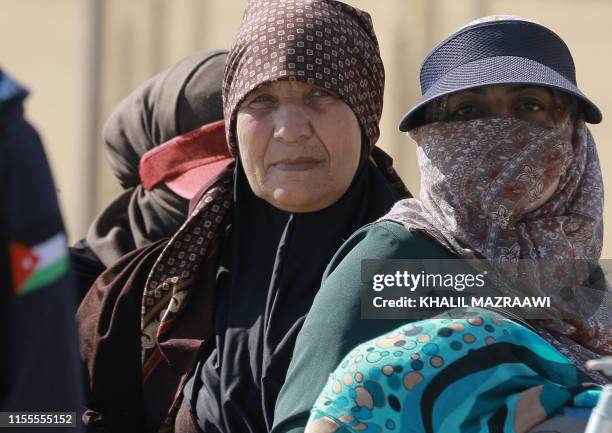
45 44
41 44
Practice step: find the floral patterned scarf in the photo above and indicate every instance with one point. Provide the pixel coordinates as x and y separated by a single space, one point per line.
478 176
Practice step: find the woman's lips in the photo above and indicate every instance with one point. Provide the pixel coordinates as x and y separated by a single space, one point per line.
296 164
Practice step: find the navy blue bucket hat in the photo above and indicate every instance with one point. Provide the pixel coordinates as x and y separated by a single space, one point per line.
500 51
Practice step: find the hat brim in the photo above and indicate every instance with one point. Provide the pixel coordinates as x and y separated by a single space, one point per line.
497 70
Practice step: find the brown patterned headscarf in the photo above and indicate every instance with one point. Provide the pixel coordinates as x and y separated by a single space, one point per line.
321 42
477 177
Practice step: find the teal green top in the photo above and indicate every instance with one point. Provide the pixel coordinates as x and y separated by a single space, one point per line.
334 325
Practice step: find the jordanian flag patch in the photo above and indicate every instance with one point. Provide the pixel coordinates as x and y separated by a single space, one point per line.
35 266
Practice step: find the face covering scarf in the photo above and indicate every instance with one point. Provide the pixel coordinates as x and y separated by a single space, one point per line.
477 179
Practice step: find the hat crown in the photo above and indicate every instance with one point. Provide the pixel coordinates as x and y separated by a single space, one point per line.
512 38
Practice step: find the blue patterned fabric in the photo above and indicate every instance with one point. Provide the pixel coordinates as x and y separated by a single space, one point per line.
467 371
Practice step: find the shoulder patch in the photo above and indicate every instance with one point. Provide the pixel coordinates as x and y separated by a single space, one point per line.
35 266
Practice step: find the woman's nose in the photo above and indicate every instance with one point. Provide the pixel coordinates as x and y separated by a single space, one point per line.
292 124
501 112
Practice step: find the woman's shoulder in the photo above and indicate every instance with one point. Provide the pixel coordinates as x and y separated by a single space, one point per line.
334 324
387 239
395 231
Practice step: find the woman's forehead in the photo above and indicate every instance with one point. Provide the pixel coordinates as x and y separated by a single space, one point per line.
286 87
285 84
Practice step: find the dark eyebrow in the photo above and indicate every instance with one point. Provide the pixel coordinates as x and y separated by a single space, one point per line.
262 86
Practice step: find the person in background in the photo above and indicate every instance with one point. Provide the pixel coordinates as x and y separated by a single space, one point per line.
509 178
210 339
40 370
162 141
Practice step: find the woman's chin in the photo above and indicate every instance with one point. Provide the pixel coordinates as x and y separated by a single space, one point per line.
300 200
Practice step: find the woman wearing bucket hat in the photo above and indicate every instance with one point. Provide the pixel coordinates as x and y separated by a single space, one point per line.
225 298
510 177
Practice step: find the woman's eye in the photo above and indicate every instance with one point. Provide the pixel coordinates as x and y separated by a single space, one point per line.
261 99
532 106
464 111
321 93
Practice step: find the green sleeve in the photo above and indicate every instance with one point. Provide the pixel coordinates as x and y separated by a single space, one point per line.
334 326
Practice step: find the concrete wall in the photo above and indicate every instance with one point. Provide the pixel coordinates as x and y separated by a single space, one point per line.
48 44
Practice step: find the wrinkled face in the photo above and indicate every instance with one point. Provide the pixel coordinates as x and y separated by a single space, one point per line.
299 145
534 104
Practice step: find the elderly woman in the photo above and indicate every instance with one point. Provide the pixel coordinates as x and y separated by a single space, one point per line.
510 175
224 299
